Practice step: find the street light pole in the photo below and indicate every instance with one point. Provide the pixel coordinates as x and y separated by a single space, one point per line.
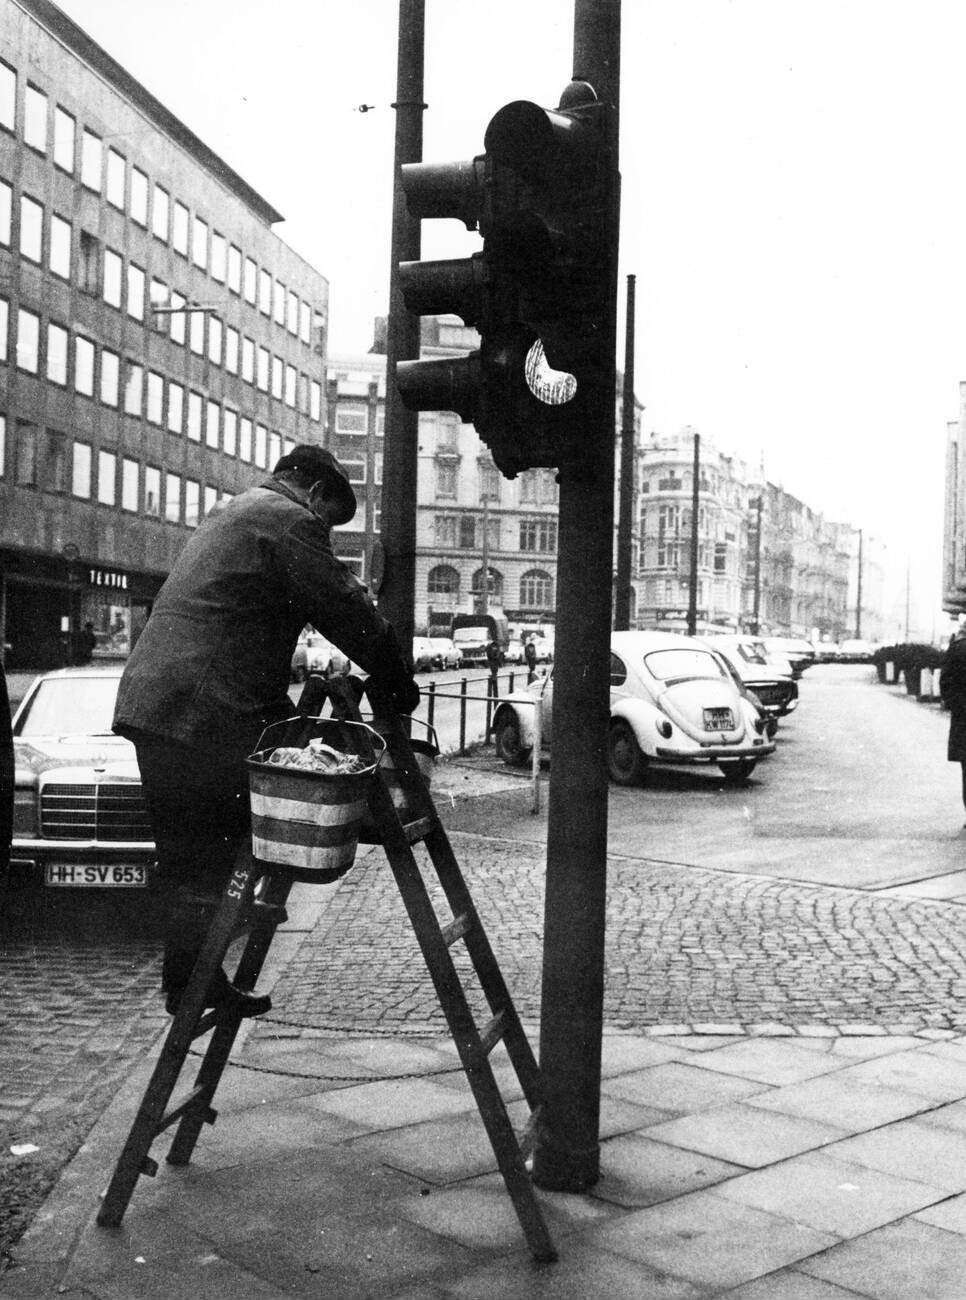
693 573
858 594
485 582
756 612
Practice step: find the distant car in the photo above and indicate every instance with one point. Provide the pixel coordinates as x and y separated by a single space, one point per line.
672 701
423 654
799 652
826 652
855 651
79 815
777 691
445 653
513 654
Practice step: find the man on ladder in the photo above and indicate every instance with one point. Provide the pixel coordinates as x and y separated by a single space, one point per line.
211 671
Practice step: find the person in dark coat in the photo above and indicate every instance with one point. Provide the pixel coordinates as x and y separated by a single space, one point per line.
952 691
211 670
494 658
530 656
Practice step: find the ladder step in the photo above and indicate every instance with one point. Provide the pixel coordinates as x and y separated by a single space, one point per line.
418 830
493 1032
456 929
189 1104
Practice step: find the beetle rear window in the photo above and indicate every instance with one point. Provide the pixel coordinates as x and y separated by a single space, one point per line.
668 665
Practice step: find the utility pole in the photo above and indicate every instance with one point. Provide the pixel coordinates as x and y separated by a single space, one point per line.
908 584
485 584
567 1155
858 594
693 571
625 521
396 549
756 614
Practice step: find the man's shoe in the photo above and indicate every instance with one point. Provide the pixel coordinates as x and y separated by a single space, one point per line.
223 996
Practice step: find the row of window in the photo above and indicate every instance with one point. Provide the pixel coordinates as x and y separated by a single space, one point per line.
103 272
126 385
151 206
465 532
535 589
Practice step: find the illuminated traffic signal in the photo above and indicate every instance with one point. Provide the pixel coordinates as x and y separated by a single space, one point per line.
543 196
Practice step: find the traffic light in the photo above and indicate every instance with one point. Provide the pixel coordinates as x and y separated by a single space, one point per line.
543 196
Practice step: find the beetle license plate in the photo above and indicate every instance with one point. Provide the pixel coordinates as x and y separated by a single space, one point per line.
105 876
719 720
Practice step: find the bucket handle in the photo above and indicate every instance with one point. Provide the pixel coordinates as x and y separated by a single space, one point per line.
375 742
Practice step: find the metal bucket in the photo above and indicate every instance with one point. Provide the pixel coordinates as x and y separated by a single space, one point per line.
425 749
310 821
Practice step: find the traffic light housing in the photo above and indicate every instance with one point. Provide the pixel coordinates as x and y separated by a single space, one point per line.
543 197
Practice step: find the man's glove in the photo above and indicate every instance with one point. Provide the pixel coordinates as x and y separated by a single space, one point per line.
406 696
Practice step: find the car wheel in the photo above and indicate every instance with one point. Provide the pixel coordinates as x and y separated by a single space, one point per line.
625 762
509 745
736 771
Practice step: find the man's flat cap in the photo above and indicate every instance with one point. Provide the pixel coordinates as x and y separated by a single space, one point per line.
319 463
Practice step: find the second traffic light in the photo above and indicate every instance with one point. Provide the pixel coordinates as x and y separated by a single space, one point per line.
541 197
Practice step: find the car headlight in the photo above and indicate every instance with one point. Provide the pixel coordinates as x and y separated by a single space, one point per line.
664 728
25 821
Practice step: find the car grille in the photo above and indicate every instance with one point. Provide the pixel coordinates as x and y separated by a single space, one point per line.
94 812
773 694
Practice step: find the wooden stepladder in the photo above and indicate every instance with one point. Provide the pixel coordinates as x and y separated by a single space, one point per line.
399 825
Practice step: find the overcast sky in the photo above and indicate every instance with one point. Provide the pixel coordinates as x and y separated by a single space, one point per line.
794 202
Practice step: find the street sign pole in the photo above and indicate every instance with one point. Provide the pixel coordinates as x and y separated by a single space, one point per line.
567 1156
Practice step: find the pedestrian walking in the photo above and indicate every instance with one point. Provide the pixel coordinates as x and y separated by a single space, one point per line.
211 670
952 691
86 643
494 657
530 657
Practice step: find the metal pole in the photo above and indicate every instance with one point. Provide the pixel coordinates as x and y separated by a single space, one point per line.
756 616
858 595
567 1155
622 602
398 535
693 570
485 586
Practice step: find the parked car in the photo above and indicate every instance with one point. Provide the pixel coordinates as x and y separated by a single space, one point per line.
826 652
79 815
423 654
672 701
855 651
799 653
513 654
445 653
314 653
776 691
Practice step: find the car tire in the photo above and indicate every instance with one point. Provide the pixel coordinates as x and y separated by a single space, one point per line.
509 745
736 771
625 762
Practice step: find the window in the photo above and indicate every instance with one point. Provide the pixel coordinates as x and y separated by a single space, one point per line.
64 132
229 421
377 467
192 502
3 418
351 419
467 533
245 439
55 462
292 318
199 243
56 353
159 213
248 361
305 323
139 197
212 425
231 350
80 479
59 253
179 233
196 332
4 327
315 400
264 292
234 268
152 491
175 407
355 470
135 291
490 481
445 480
194 416
274 447
538 535
133 388
6 209
31 228
262 374
721 557
178 318
26 453
89 262
494 585
251 280
106 478
129 484
158 298
214 340
116 166
279 300
443 580
92 160
35 119
536 590
155 398
28 340
172 498
291 376
277 377
261 446
113 267
110 377
211 497
218 257
8 97
83 366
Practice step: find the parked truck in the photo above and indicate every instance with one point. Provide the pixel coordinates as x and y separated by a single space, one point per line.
472 633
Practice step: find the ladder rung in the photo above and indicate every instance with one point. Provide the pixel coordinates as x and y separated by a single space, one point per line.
419 829
190 1103
456 929
493 1032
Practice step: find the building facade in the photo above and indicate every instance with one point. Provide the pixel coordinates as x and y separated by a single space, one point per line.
160 346
954 514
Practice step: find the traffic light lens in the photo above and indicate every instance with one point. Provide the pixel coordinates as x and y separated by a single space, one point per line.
552 387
